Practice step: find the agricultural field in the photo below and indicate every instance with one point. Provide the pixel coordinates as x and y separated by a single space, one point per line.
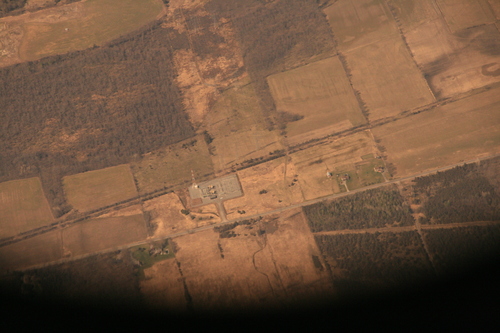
457 249
99 188
162 287
23 207
72 27
172 166
266 187
102 234
458 131
465 14
32 251
254 268
237 127
320 93
356 23
361 263
377 208
354 155
388 80
495 7
169 215
382 69
452 63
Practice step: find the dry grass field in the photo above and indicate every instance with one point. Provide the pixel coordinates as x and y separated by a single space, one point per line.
275 178
387 78
99 188
167 218
102 234
338 156
464 14
357 23
453 63
23 207
81 25
251 271
321 93
495 6
162 287
448 134
32 251
382 69
238 127
172 165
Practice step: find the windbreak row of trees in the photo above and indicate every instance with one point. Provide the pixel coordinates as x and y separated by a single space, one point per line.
90 109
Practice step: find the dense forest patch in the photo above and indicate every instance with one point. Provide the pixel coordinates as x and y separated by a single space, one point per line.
364 262
91 109
370 209
462 194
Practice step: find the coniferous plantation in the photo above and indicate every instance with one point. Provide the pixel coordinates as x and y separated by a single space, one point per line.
90 109
463 194
362 262
371 209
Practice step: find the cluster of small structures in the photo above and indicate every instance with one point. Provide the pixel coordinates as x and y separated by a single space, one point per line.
215 190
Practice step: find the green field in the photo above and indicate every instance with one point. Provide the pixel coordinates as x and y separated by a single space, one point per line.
147 259
321 93
80 26
172 166
99 188
23 207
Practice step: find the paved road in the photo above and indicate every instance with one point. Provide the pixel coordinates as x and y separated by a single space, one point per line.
302 204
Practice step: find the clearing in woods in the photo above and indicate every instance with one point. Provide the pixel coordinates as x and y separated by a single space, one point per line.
172 165
321 93
253 269
452 63
465 13
32 251
82 25
354 154
382 69
266 186
102 234
99 188
458 131
237 127
23 206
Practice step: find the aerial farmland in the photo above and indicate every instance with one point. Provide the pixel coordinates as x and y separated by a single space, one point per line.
214 157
